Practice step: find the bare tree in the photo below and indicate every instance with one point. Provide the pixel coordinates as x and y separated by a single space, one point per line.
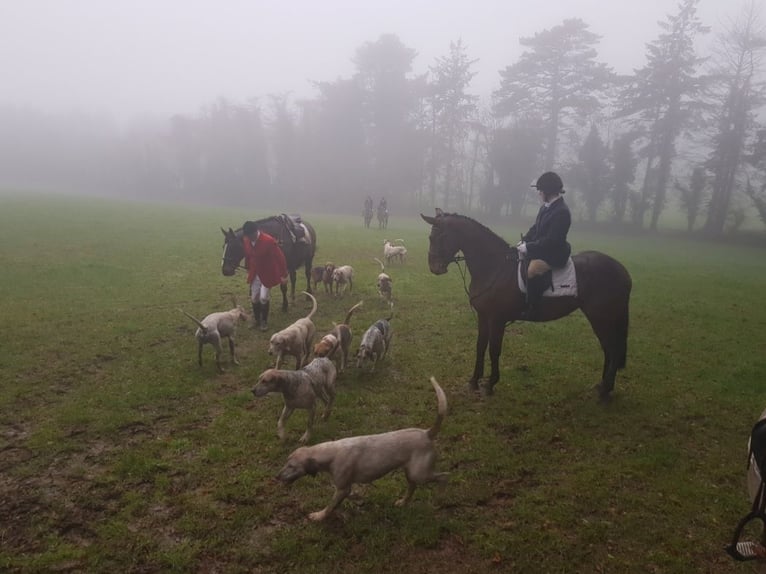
692 196
738 62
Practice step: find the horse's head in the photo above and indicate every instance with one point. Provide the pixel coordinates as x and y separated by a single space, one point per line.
443 243
233 251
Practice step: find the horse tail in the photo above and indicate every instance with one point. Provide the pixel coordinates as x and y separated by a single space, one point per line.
193 318
441 410
351 312
314 309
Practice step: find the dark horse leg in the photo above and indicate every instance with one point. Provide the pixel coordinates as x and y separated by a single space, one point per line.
612 333
309 262
481 349
496 333
283 288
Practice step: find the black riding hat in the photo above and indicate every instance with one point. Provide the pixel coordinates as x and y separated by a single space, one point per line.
249 227
550 183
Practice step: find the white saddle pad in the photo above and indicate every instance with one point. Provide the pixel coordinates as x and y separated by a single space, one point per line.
564 281
306 234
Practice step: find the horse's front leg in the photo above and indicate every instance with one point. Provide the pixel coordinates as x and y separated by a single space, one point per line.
293 279
496 332
481 349
283 288
308 276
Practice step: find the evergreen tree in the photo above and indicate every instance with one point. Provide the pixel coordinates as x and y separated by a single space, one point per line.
663 97
556 79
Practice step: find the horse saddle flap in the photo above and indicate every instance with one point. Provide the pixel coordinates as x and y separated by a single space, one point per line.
564 282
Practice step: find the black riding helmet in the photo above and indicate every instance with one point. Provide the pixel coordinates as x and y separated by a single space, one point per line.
550 183
249 228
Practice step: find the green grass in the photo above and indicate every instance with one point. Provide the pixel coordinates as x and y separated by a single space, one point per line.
118 453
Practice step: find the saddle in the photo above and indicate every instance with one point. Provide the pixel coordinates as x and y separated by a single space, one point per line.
295 227
751 550
559 282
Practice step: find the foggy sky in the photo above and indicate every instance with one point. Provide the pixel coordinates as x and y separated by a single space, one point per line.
132 58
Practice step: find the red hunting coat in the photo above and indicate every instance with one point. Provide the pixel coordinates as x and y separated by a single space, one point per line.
264 259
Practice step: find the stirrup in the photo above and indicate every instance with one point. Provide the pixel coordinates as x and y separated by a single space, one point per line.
748 549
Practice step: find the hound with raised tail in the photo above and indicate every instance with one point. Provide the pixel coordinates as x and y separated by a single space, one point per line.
393 252
385 285
300 390
213 328
363 459
338 341
295 339
375 342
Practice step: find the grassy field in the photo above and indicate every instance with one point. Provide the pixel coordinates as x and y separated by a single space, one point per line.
119 454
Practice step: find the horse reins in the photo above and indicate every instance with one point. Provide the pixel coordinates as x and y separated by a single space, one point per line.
224 259
458 258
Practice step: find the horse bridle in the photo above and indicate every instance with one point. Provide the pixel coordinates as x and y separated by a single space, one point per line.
508 256
229 260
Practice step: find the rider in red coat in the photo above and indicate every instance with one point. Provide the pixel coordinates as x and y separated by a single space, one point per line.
266 268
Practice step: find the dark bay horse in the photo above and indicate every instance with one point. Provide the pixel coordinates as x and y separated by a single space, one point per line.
296 253
382 217
367 213
603 293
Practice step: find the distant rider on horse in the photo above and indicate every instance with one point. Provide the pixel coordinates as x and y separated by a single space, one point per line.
545 244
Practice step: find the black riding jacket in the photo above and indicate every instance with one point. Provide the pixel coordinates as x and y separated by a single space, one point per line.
547 238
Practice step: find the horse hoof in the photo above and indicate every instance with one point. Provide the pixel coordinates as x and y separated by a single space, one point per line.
604 395
487 390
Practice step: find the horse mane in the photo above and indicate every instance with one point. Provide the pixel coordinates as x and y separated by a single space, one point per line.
495 237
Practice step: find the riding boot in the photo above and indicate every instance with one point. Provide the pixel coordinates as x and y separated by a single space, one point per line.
264 316
535 288
256 314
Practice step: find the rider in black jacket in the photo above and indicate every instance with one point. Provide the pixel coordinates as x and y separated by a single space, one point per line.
545 244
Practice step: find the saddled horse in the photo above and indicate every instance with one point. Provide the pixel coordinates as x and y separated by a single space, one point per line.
297 253
603 293
367 213
382 217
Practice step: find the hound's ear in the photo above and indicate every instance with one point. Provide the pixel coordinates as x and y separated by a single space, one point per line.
311 467
428 220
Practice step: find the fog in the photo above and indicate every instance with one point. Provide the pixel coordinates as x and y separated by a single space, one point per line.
652 111
139 58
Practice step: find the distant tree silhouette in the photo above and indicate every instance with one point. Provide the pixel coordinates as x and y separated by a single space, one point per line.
663 97
692 196
739 91
557 79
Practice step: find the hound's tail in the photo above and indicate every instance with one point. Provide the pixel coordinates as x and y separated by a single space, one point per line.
351 312
391 316
400 241
441 410
314 310
382 267
193 318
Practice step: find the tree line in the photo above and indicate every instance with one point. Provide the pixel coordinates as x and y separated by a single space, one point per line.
685 128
